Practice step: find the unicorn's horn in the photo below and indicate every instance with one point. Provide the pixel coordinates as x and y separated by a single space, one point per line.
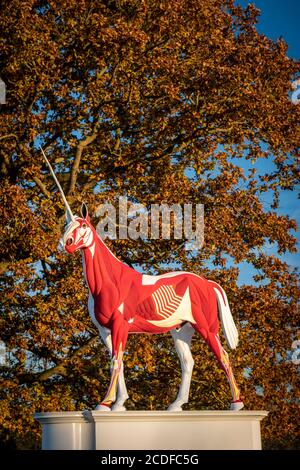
69 212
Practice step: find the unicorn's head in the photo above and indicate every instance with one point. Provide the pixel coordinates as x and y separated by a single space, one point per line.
79 232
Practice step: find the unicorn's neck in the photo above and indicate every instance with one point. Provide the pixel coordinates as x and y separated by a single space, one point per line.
106 274
92 269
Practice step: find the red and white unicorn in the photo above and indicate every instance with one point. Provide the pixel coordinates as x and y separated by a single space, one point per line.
123 301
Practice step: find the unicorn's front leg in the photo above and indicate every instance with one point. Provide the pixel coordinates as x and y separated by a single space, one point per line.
122 394
111 395
119 333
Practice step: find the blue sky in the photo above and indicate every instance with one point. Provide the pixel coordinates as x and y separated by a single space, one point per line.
279 18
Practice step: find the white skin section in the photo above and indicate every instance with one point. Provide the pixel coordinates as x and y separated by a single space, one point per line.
149 280
182 340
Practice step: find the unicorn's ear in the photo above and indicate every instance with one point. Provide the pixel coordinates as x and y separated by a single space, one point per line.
84 211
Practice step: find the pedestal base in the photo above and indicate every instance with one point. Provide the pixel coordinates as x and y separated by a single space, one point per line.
152 430
188 430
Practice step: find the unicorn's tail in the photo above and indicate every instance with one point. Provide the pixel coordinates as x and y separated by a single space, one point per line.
228 325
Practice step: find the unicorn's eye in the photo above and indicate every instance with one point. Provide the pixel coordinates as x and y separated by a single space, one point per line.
84 225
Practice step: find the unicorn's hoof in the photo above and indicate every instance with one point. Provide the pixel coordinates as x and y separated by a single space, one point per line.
236 405
174 407
102 408
118 408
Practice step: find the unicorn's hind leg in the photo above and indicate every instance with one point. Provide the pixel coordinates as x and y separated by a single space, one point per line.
236 403
221 355
182 341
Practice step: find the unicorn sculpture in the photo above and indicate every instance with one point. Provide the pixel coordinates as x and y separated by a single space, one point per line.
123 301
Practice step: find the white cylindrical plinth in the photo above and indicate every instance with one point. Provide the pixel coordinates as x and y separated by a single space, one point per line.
67 430
167 430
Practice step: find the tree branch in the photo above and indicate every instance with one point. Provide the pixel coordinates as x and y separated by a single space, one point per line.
76 163
41 185
60 368
9 136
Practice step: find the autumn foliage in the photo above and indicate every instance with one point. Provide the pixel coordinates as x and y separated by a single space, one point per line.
169 101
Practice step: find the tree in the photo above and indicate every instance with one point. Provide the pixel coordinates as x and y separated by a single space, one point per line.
162 102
